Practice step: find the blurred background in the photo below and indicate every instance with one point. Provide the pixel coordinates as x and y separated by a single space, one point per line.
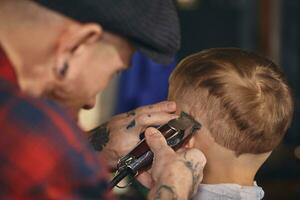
270 27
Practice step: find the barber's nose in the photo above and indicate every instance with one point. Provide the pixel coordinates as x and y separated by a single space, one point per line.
90 104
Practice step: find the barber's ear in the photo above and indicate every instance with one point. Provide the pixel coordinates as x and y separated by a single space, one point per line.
72 40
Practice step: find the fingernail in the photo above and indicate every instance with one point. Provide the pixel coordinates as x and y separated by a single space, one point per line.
171 105
152 132
156 132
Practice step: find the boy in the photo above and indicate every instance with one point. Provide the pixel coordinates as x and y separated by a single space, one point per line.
245 107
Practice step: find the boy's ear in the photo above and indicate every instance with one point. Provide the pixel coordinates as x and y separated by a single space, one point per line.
190 144
72 39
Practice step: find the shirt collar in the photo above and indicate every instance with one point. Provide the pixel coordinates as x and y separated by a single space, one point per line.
6 69
229 191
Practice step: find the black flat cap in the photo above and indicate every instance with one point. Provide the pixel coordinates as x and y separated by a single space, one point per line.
151 25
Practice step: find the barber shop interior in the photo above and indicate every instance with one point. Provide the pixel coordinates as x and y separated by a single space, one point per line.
150 99
270 27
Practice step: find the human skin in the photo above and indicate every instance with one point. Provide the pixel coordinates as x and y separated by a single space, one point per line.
71 64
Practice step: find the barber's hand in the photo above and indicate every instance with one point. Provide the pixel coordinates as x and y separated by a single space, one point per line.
117 137
174 175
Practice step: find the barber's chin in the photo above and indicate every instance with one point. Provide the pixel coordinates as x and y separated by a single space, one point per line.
88 106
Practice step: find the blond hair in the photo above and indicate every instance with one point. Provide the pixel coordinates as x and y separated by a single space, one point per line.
242 98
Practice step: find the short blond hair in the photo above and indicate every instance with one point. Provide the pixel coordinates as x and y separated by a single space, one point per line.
242 98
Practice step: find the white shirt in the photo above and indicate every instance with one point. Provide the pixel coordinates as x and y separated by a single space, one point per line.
229 192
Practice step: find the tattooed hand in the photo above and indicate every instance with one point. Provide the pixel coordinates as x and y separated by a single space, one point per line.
175 176
118 136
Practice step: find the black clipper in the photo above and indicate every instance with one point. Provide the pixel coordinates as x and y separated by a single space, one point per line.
176 131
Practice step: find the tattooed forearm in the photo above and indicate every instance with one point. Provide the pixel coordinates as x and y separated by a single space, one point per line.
99 137
165 192
131 125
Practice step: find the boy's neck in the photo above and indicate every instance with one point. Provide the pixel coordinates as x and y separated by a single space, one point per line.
218 172
224 167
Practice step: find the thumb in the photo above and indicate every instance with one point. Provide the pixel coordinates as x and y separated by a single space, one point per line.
155 140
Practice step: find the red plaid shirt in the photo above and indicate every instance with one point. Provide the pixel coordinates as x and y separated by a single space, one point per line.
43 154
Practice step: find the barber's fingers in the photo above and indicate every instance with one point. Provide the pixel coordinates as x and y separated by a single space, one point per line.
164 106
157 143
154 119
197 162
194 155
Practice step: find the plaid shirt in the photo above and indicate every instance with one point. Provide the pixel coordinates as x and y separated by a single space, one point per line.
43 154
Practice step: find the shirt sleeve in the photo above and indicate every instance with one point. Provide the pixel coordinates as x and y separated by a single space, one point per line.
44 155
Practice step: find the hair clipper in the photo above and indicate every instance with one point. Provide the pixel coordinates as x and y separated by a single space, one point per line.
176 131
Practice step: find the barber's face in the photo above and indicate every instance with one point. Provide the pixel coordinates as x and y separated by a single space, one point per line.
90 68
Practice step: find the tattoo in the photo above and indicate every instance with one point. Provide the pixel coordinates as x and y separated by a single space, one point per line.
194 169
165 191
131 125
131 113
99 137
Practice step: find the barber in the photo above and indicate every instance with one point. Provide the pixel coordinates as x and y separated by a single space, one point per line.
67 51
